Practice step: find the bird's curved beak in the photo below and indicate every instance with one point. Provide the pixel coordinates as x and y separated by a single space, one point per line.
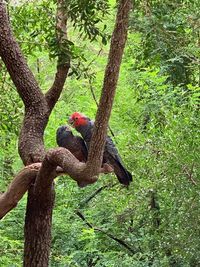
71 121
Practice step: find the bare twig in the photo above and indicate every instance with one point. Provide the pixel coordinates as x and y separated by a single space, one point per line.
189 174
94 194
97 229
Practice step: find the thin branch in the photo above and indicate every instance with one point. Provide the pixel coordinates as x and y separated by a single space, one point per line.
94 194
97 229
92 89
95 100
54 92
189 174
92 92
63 64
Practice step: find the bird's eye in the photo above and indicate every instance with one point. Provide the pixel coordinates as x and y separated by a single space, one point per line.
76 119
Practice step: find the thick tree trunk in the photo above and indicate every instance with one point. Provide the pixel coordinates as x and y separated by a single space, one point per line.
38 220
38 230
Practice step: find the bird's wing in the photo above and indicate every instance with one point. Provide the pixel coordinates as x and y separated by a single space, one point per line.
111 149
63 137
112 156
86 132
83 148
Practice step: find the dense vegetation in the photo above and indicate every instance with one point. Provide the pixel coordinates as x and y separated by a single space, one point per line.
155 121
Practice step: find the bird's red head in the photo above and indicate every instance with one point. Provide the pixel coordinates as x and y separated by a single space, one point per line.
77 119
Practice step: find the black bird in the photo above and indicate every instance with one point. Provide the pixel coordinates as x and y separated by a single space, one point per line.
75 144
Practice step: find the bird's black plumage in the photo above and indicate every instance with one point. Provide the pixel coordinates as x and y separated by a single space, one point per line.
75 144
111 156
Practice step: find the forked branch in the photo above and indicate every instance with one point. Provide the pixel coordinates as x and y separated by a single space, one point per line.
37 114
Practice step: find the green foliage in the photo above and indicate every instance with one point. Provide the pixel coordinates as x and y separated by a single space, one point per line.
169 38
34 26
156 123
11 236
85 15
163 154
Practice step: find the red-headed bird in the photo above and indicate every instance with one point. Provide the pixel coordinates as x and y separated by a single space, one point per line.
111 156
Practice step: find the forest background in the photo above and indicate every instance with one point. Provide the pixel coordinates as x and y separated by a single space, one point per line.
155 122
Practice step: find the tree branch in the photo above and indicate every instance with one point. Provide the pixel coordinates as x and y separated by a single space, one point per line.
63 64
18 188
16 64
54 92
109 87
97 229
31 145
61 157
94 194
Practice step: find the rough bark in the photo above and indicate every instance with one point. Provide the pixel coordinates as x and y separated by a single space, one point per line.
31 146
117 45
54 92
18 188
38 221
16 65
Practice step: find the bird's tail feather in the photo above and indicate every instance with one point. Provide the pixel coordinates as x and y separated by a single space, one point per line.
123 175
